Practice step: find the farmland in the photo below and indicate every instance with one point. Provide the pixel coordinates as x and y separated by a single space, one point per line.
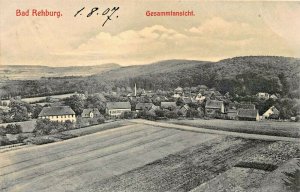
39 99
139 157
285 129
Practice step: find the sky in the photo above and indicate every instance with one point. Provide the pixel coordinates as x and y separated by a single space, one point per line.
219 29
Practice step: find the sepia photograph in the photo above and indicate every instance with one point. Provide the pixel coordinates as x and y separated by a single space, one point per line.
149 96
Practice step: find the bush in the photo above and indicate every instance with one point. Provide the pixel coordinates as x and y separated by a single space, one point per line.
2 131
100 120
150 116
128 115
68 125
21 138
93 121
13 129
40 140
46 127
192 113
171 115
4 141
159 113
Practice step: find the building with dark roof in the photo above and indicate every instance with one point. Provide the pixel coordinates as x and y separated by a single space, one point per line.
248 114
214 107
168 105
143 106
246 106
58 113
90 113
232 114
115 109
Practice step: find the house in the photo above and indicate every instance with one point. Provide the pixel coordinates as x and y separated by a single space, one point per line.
187 100
178 90
168 105
214 107
208 94
272 112
246 106
237 105
248 114
58 113
143 106
199 98
202 87
262 95
90 113
176 95
232 114
115 109
4 109
184 109
274 97
153 109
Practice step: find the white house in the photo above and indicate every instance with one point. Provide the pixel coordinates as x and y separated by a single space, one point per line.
58 113
90 113
271 111
262 95
115 109
200 98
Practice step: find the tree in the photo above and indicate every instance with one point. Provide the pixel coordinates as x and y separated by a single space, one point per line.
180 102
96 101
286 108
36 111
19 110
76 103
263 106
284 83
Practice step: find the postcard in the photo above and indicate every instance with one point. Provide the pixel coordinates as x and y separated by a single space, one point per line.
149 96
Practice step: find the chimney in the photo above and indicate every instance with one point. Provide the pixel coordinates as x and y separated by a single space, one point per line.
135 89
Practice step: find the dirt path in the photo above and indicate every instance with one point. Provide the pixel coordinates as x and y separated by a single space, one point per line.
203 130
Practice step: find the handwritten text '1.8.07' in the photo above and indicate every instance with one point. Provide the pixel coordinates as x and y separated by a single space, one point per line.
108 12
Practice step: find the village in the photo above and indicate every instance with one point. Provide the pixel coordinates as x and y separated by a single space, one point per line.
51 114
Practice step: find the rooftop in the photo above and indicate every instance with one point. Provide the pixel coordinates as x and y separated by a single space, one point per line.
57 110
118 105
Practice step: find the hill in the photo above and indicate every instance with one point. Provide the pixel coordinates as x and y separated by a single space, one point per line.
161 67
243 75
30 72
240 75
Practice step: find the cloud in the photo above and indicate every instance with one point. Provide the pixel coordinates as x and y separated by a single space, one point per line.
131 44
220 28
214 39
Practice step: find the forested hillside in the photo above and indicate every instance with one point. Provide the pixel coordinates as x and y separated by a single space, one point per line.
239 75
